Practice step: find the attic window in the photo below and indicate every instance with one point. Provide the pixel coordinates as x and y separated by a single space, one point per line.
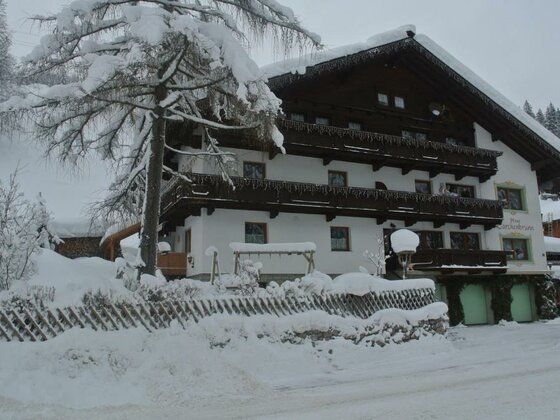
383 99
322 121
297 116
399 102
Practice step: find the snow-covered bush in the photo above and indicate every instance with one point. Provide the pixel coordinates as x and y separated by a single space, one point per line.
102 297
174 290
315 283
246 282
28 298
24 228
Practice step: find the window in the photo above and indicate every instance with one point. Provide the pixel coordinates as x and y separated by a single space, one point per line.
454 142
399 102
353 125
511 197
337 179
464 191
423 187
254 170
383 99
255 233
463 240
430 239
322 121
297 116
519 249
414 135
340 238
188 246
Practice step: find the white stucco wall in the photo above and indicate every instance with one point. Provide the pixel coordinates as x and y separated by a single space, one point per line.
226 226
516 172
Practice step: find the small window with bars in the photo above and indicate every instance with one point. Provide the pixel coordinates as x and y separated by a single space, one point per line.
255 233
340 238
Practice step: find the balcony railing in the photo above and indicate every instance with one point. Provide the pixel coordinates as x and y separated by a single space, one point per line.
459 260
212 192
335 143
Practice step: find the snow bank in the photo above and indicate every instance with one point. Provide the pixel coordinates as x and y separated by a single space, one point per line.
360 284
404 240
71 278
274 247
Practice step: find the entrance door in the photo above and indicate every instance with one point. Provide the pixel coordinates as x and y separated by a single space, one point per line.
521 309
473 299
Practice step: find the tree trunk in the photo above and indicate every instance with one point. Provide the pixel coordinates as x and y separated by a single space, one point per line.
150 216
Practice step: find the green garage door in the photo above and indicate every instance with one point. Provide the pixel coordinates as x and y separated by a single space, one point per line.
473 299
521 309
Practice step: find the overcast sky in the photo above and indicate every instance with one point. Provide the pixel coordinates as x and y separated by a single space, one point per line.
513 44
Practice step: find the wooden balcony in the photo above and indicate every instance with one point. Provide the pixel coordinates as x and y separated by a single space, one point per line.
449 261
334 143
173 264
210 191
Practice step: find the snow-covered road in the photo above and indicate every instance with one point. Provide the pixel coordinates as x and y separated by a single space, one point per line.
495 372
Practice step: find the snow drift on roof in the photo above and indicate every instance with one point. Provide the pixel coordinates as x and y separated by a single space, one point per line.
550 207
552 244
298 65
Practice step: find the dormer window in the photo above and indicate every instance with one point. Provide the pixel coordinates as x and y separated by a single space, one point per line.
297 116
322 121
399 102
383 99
353 125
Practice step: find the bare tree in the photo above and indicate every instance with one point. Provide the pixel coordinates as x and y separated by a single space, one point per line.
135 66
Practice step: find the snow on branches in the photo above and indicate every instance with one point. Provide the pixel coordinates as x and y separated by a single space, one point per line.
134 67
24 229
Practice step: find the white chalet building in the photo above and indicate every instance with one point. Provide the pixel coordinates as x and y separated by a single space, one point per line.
381 135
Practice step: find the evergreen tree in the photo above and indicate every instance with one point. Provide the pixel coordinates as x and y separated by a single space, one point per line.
136 66
550 121
528 109
540 116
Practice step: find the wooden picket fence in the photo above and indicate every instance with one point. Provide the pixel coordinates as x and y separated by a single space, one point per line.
40 325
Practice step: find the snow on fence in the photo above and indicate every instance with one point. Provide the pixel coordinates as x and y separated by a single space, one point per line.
40 325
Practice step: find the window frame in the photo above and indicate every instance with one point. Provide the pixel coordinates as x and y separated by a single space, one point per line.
188 241
386 105
358 123
403 108
291 114
528 248
427 182
472 187
250 162
327 119
508 190
423 234
347 230
465 234
265 231
344 173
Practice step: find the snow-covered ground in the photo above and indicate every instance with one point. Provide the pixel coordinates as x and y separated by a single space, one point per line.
496 372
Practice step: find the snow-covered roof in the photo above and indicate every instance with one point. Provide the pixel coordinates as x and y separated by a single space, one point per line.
77 227
550 208
407 33
552 244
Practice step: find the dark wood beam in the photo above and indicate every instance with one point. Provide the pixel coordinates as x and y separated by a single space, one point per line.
330 217
375 166
460 176
273 152
327 160
409 222
437 225
210 211
463 226
380 220
406 169
435 172
535 166
274 213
